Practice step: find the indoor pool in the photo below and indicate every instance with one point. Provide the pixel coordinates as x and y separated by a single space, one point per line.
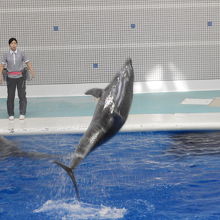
137 175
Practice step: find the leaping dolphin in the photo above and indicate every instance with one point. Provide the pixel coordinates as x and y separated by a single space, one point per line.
110 115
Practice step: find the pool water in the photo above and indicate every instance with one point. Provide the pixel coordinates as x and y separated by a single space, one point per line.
137 175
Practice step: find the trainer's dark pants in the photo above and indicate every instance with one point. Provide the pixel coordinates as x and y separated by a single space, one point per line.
20 83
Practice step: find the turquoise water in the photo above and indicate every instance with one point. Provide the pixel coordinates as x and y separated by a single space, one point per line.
142 175
146 103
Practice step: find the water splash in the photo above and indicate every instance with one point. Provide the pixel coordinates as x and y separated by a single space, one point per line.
72 209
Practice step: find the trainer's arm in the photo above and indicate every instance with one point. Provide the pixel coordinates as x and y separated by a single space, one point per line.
30 68
1 75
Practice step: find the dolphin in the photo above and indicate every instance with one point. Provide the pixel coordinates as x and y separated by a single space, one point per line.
111 112
10 149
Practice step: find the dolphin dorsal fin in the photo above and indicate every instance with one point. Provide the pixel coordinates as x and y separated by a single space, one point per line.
95 92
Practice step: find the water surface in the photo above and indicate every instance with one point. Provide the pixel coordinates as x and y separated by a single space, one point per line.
142 175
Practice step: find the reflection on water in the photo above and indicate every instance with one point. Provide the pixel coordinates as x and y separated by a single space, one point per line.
194 143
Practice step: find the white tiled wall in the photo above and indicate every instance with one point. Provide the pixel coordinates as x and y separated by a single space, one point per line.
86 41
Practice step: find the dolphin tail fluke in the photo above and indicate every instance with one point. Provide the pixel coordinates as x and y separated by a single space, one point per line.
71 175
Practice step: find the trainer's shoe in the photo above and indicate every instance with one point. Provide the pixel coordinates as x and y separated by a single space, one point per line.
11 118
22 117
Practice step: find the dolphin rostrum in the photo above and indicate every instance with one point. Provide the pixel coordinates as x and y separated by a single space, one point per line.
110 115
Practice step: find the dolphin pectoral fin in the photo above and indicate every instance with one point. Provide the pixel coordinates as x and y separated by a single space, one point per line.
95 92
71 175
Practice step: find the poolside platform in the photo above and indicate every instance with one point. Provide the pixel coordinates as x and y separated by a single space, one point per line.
197 110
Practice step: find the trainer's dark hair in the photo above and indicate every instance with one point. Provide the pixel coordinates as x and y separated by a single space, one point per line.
12 39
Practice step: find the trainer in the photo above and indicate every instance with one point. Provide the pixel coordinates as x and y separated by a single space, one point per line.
14 61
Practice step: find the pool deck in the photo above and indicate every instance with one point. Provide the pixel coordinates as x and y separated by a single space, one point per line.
149 111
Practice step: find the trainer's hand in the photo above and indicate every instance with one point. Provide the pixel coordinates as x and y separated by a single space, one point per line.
1 79
32 73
